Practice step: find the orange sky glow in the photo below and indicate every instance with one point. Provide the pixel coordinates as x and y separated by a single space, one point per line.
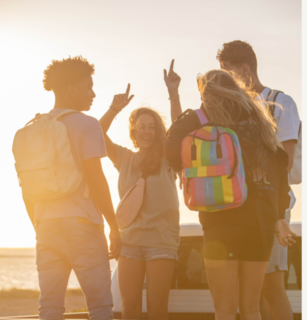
131 41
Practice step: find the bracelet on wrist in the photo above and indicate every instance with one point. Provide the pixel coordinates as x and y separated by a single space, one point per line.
116 112
174 98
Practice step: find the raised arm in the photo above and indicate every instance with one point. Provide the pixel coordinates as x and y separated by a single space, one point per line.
120 101
172 81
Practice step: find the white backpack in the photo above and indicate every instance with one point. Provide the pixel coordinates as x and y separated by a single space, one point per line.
45 166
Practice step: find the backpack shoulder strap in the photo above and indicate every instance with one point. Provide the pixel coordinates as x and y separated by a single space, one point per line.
55 118
201 116
272 95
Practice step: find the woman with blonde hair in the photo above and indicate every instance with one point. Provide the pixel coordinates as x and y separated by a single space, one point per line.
238 241
151 242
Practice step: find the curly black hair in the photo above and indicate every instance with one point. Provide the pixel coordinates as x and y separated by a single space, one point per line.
237 53
62 73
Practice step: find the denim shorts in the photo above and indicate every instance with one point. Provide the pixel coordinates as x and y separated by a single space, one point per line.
147 253
279 254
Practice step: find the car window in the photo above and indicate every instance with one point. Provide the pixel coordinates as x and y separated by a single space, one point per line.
190 270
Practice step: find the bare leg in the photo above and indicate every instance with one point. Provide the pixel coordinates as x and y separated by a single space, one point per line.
251 280
223 283
265 309
131 275
274 292
159 275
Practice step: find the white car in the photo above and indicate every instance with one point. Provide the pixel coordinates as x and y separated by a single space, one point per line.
190 297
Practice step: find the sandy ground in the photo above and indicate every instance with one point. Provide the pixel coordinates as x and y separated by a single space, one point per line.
26 303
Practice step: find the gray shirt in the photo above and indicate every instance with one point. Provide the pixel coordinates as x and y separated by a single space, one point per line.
87 141
157 224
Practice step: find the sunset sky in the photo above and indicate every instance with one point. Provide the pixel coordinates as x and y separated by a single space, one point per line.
130 41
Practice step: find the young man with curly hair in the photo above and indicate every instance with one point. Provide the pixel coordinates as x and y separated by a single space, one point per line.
69 231
240 58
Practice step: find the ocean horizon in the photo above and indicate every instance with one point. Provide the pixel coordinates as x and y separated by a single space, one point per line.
18 270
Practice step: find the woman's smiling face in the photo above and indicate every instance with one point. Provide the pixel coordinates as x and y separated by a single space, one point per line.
145 132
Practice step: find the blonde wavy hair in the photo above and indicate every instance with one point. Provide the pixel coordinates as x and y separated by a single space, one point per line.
151 163
227 100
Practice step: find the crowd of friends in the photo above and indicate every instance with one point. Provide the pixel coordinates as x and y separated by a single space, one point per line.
247 273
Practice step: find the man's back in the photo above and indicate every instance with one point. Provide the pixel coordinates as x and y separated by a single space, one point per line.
69 233
287 117
287 120
86 141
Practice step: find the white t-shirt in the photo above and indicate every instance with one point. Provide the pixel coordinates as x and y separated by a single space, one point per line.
287 120
87 141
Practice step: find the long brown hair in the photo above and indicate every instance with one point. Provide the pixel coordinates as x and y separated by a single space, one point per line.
151 163
227 100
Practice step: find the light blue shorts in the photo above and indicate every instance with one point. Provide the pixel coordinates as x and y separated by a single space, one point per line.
147 253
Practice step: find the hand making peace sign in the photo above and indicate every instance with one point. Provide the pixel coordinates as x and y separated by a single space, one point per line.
120 101
172 80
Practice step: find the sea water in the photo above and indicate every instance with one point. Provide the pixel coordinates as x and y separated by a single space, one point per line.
18 269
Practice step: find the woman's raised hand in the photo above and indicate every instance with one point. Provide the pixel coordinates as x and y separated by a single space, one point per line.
172 80
120 101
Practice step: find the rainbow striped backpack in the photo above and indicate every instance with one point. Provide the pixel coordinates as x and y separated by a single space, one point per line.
213 171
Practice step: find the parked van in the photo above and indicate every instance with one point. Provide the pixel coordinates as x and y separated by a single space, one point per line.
190 297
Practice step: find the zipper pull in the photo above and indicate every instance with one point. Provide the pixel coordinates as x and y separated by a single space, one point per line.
219 153
193 152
